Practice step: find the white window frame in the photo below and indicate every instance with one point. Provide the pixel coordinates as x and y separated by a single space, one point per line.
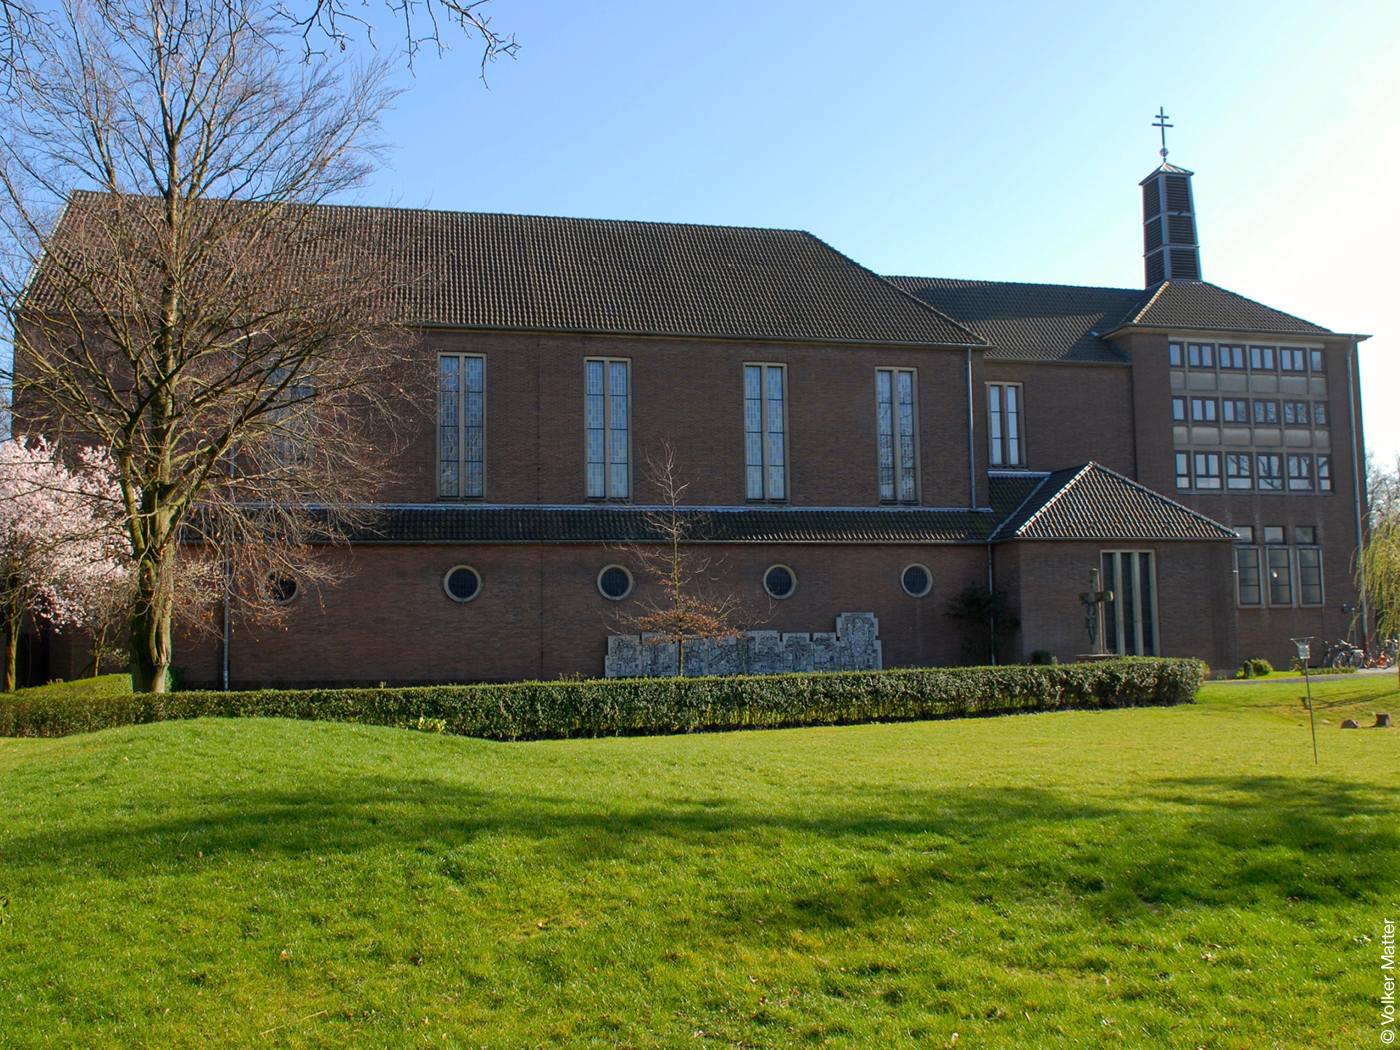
898 440
461 461
998 423
1140 642
610 488
767 492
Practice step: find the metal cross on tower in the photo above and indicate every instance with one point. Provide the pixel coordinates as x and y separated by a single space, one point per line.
1161 123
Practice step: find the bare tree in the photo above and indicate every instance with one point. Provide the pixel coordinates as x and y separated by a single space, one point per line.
321 24
690 602
179 295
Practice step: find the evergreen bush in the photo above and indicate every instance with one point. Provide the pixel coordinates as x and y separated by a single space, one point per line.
628 706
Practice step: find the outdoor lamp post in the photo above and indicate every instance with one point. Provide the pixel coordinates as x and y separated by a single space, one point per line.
1304 655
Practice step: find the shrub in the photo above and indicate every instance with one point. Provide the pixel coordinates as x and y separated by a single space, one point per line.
607 707
1044 658
1255 667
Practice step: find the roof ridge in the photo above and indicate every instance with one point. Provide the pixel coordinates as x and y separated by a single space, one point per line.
1055 498
1135 317
1154 494
1022 284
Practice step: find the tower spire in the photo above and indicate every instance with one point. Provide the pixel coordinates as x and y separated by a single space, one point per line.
1171 251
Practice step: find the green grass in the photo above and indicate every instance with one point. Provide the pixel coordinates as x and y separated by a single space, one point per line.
1180 877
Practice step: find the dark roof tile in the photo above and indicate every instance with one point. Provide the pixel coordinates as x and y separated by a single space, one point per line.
1208 307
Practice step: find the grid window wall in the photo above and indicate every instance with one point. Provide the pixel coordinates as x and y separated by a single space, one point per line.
461 426
607 423
1130 620
765 431
897 417
1004 417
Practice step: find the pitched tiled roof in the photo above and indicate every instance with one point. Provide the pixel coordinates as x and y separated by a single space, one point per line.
629 524
1094 503
1208 307
537 273
1030 322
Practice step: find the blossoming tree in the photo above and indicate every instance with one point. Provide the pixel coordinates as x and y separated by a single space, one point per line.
57 527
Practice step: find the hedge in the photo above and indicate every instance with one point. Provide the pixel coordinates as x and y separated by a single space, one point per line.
629 706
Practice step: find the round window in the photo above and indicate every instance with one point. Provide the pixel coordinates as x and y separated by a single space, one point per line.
779 581
281 588
615 583
462 583
916 580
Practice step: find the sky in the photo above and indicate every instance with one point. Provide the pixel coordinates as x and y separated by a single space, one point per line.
1000 141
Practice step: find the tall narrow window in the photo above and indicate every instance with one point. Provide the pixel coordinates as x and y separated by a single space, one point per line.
1247 576
607 436
1324 473
894 404
1004 417
765 431
1310 576
1130 621
1183 470
1280 576
461 426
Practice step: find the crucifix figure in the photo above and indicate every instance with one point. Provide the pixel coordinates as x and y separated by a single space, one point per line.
1161 123
1093 601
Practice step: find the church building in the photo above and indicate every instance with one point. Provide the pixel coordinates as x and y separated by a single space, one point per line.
852 444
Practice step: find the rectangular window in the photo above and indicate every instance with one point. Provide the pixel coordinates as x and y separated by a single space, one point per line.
1179 409
895 410
1004 418
1317 361
1247 582
1234 410
461 426
1324 473
1237 472
1319 413
1273 533
1245 533
1292 360
1200 356
1130 620
1280 576
1203 410
1232 357
1309 576
1207 470
1266 413
1174 354
1183 470
607 412
1300 473
1261 359
1269 472
765 431
1296 414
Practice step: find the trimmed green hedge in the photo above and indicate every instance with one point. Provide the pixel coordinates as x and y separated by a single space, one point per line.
599 707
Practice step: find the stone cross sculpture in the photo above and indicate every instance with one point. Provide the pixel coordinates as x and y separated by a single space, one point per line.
1093 601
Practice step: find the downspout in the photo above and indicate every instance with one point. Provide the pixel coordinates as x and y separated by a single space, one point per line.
992 590
1356 489
971 438
228 578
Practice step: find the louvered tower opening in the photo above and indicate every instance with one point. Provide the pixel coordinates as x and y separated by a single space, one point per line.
1171 251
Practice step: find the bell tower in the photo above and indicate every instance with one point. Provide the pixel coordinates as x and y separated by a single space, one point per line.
1170 249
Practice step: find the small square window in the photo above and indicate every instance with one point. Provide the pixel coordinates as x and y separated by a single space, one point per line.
1232 357
1296 414
1203 410
1234 410
1266 413
1245 533
1261 359
1273 533
1292 360
1200 356
1305 534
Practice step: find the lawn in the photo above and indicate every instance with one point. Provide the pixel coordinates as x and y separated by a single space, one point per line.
1180 877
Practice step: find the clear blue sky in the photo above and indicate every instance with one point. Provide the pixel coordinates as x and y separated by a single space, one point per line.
989 140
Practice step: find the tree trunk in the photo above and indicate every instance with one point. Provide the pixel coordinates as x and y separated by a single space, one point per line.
11 652
150 625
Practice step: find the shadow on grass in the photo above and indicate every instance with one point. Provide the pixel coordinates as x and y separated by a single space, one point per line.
1214 841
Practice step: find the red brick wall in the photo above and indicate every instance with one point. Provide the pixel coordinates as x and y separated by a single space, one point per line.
1072 413
539 613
